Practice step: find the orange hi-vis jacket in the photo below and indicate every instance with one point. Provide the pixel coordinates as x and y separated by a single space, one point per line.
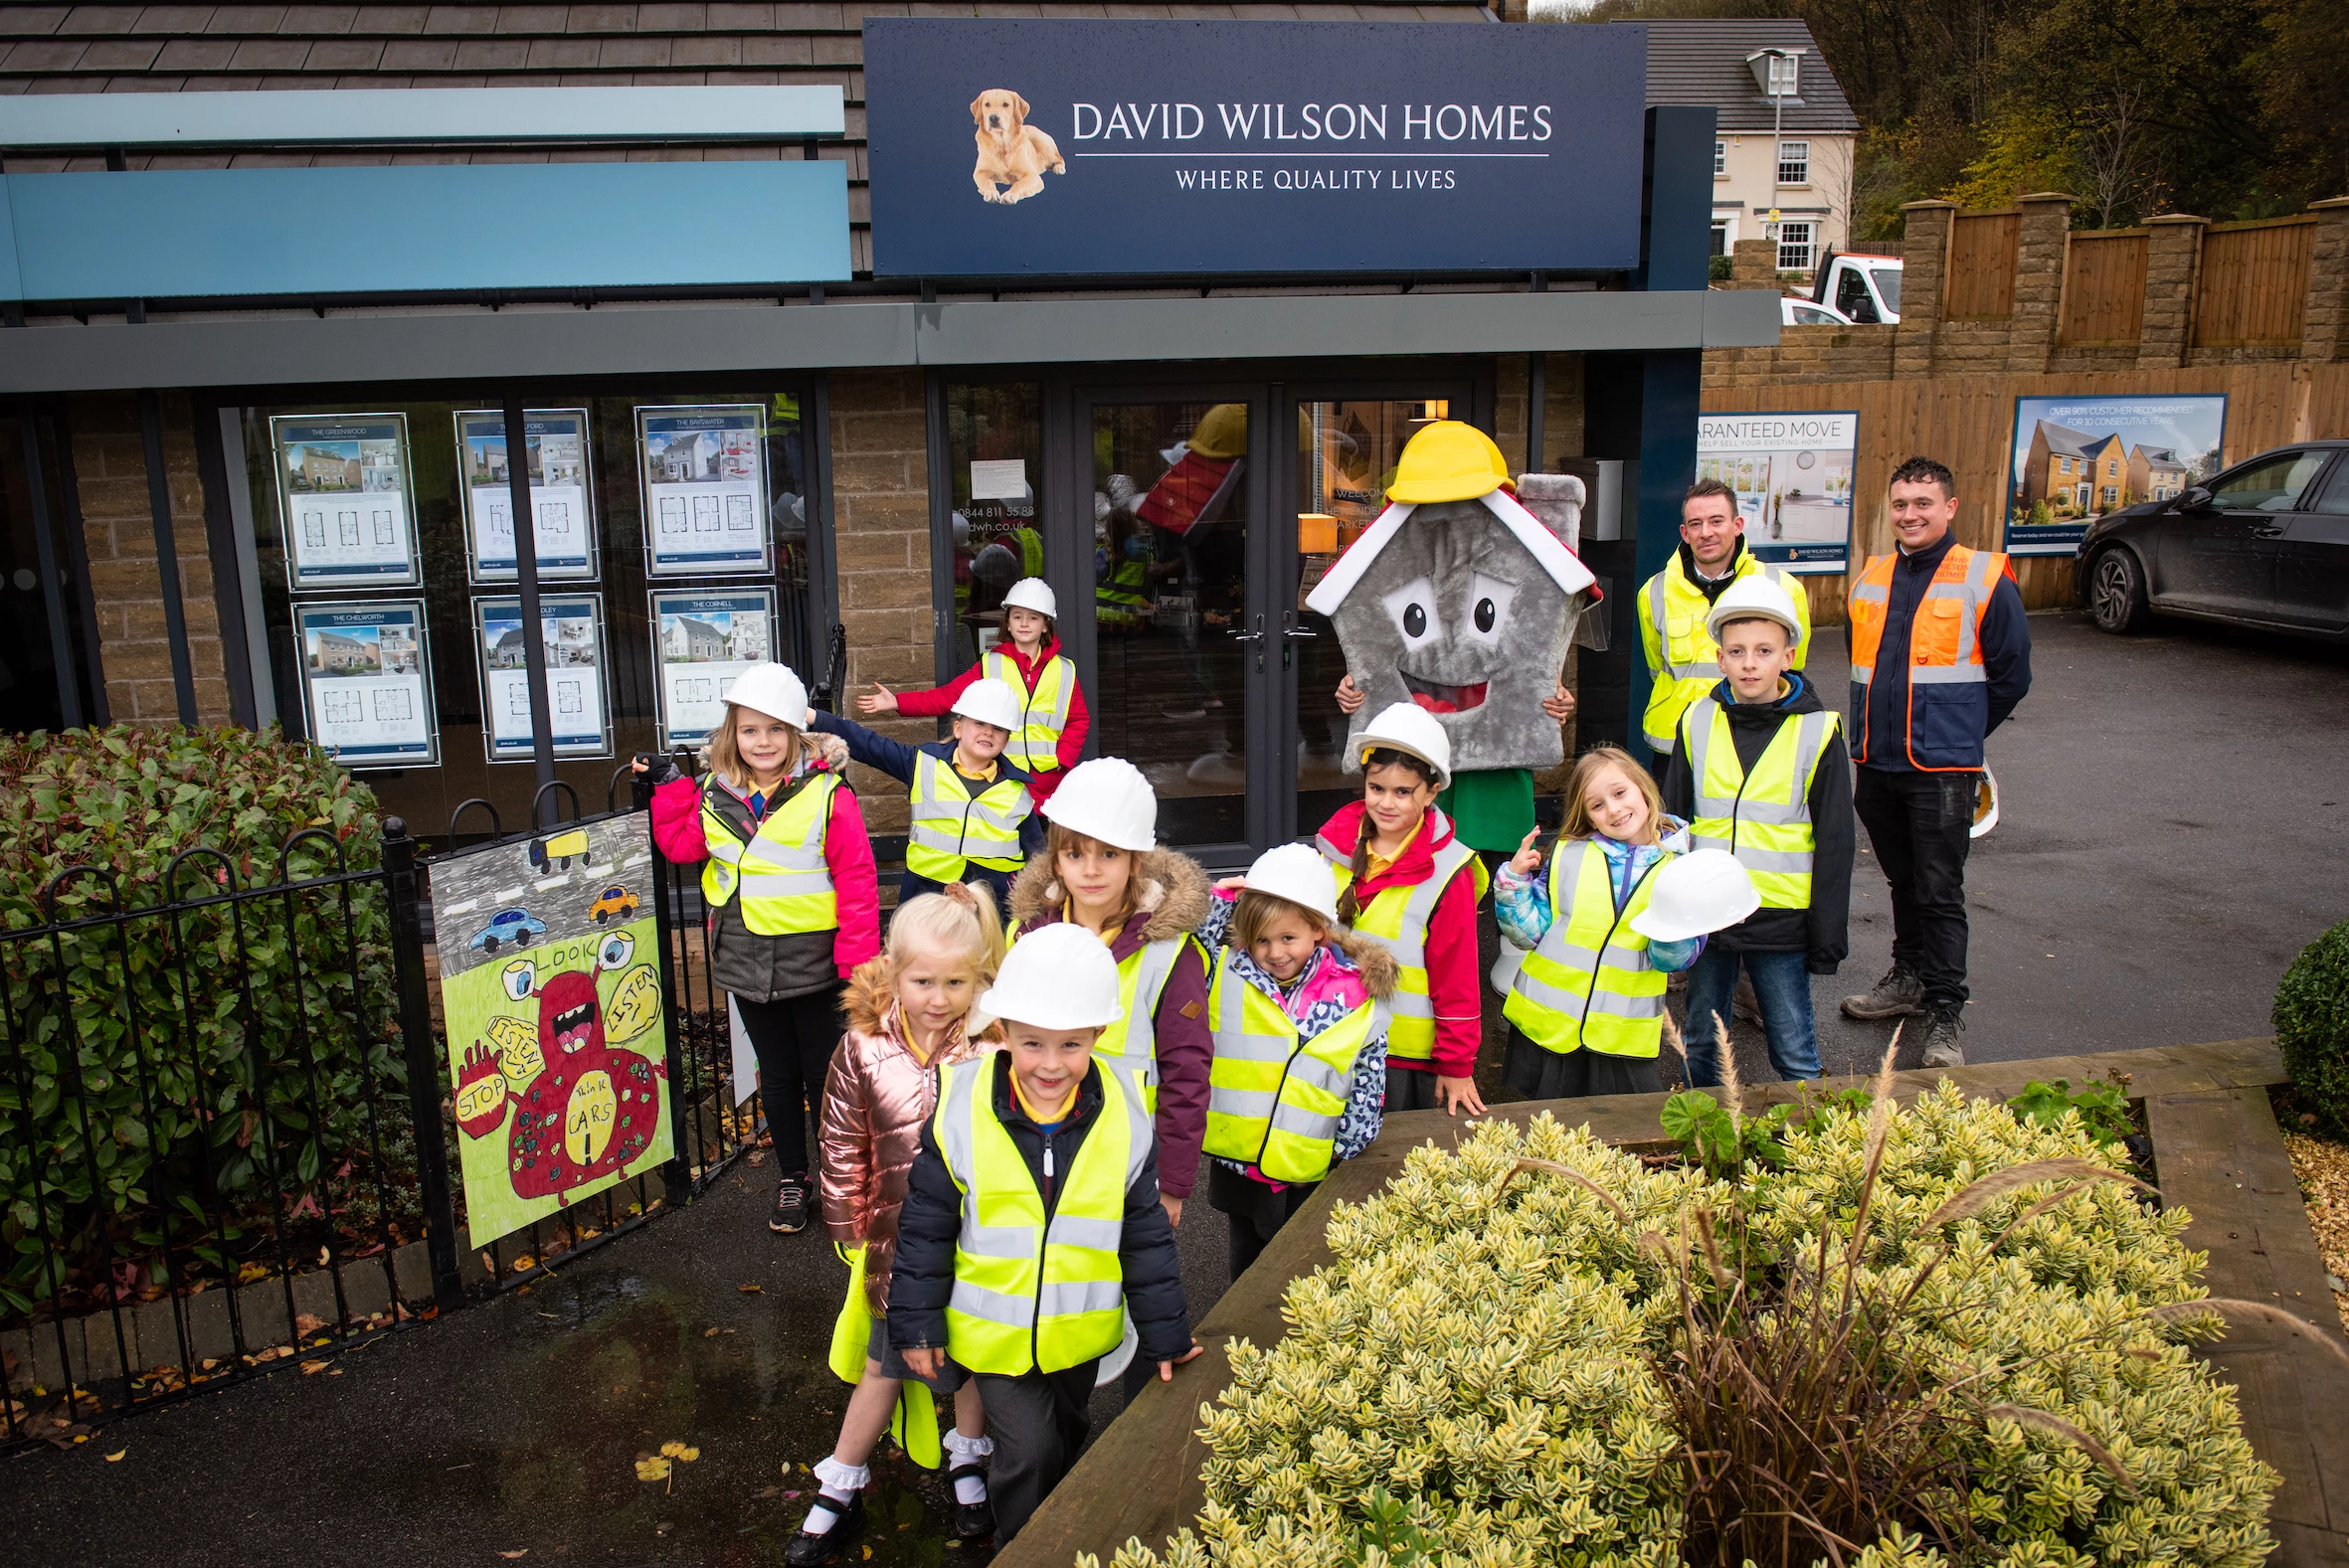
1948 706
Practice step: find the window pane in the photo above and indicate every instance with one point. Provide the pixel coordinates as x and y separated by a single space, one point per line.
995 445
1794 247
2271 486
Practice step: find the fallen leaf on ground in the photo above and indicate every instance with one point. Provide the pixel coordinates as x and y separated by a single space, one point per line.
764 1492
523 1264
312 1369
750 1290
676 1450
510 1556
309 1323
116 1458
710 1334
652 1469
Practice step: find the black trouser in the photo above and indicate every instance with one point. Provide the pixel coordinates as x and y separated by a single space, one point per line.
793 1039
1040 1425
1919 824
1256 1210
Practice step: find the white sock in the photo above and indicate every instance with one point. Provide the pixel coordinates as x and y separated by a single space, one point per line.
842 1484
969 1489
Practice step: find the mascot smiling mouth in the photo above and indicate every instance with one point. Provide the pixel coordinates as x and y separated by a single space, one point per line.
570 1027
1436 697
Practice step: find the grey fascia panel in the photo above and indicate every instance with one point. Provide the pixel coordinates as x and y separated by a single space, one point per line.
619 340
380 116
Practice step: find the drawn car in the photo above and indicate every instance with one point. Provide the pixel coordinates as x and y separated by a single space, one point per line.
555 853
614 900
507 925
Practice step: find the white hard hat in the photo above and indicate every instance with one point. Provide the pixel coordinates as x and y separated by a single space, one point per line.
1702 891
1408 727
1754 597
1057 976
771 689
990 701
1985 806
1033 592
1108 800
1297 873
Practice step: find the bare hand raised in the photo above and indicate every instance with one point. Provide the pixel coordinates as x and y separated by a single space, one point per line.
1527 858
1561 707
879 700
1349 696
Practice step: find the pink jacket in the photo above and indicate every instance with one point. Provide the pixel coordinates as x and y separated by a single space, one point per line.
847 852
1071 749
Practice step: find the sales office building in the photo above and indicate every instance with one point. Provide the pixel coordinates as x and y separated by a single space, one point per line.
804 320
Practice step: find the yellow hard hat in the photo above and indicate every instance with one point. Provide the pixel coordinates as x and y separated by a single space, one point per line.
1222 432
1448 462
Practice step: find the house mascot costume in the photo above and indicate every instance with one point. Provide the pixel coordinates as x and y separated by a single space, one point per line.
1463 600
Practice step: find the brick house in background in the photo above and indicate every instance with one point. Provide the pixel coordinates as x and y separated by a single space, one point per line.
2156 474
2072 471
1806 172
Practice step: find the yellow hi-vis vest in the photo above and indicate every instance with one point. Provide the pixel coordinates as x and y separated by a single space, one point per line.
953 829
1762 818
1043 713
1030 1294
1683 662
1589 983
1398 917
1131 1045
786 885
1274 1101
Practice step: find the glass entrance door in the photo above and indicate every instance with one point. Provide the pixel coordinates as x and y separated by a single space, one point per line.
1212 511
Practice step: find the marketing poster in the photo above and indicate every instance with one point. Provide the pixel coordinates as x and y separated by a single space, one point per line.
561 493
558 1028
702 470
367 681
1792 474
2073 460
577 697
700 642
343 481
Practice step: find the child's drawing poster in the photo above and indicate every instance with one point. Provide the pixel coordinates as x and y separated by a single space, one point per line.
558 1031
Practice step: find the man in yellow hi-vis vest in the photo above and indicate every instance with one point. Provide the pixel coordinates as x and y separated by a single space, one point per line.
1032 1243
1673 603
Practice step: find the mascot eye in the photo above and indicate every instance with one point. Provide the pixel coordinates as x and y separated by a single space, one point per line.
1484 615
519 976
1411 608
618 948
1489 601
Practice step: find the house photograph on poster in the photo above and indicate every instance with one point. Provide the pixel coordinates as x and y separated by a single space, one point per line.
2075 459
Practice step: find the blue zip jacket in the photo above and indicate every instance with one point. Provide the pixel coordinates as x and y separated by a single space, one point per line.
897 759
1951 728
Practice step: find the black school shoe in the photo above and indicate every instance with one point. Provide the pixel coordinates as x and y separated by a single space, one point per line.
972 1520
790 1207
812 1551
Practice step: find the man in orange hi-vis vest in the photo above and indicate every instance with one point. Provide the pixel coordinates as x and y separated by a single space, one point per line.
1941 655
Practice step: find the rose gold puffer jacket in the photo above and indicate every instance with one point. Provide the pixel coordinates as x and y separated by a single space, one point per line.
875 1100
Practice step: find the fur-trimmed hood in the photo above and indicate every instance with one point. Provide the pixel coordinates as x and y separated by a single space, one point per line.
1370 955
1173 900
866 996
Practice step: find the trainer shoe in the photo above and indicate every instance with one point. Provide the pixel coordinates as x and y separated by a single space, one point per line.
806 1550
790 1207
1942 1039
1896 995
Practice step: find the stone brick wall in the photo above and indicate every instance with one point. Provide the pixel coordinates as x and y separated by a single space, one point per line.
1561 408
1806 353
881 542
119 529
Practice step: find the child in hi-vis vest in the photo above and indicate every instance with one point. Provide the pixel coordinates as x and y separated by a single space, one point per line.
972 815
906 1023
1031 1228
1050 734
1298 1008
1406 882
794 904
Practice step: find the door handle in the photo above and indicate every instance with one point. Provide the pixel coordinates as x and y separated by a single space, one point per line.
1248 636
2271 531
1295 632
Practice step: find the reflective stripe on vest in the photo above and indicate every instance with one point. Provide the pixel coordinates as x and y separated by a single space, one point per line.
953 830
1044 712
1397 918
1945 635
1132 1043
1589 983
1762 818
1274 1101
1027 1293
785 881
1689 659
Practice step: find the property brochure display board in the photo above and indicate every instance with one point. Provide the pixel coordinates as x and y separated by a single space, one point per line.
562 490
558 1026
578 700
700 642
702 470
2075 458
366 675
347 500
1793 476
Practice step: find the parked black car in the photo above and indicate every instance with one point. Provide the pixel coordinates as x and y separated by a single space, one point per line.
2265 544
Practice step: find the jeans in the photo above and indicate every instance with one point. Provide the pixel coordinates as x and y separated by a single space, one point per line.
1920 825
1782 985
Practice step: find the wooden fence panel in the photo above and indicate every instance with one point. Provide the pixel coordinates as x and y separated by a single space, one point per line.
2103 287
1983 249
2254 289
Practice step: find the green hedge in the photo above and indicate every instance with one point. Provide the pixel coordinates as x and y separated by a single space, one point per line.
2312 1027
203 1112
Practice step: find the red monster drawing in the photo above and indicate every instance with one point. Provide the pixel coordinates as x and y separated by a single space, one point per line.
583 1107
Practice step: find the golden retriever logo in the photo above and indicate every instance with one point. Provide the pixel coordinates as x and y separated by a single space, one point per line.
1012 153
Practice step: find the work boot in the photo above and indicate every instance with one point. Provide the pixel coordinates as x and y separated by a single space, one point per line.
790 1207
1896 995
1942 1029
